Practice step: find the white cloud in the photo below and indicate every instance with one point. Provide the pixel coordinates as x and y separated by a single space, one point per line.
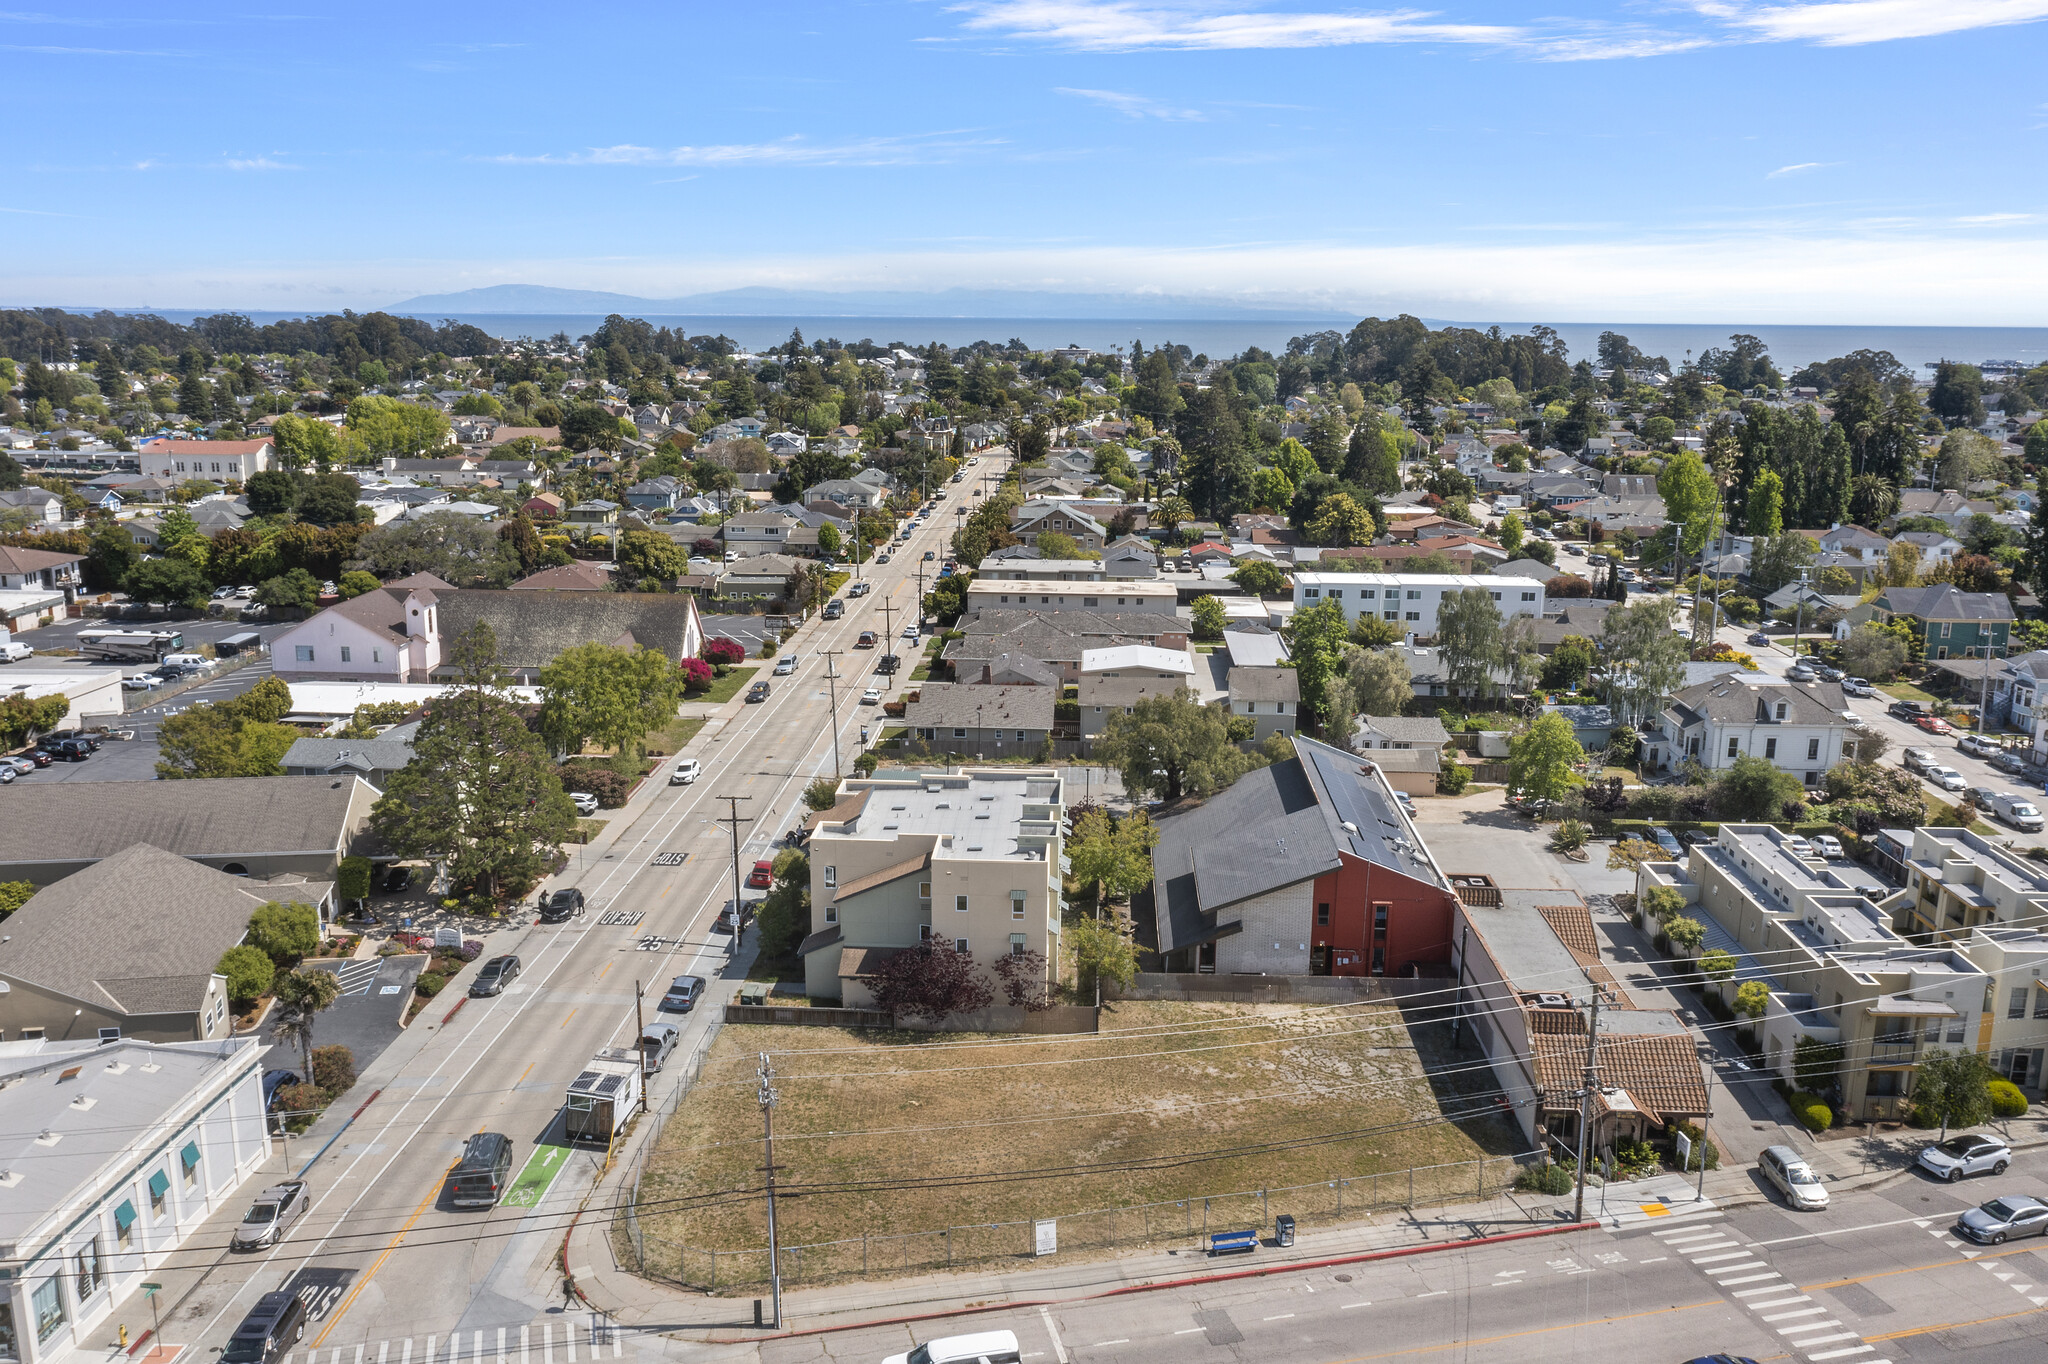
1125 25
788 151
1802 166
258 163
1135 106
1848 22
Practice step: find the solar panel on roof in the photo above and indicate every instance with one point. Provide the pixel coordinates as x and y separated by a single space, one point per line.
610 1084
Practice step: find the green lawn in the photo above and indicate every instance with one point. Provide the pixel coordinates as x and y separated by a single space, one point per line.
1906 691
671 738
923 671
723 689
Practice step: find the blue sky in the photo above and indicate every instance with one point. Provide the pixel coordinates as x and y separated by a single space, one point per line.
1863 161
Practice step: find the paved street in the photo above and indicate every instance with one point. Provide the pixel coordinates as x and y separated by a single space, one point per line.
403 1266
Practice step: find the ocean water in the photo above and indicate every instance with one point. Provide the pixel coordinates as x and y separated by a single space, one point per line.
1790 346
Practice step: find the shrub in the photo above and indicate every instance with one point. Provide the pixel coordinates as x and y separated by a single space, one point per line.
307 1099
608 786
334 1069
1810 1112
1453 779
1686 934
1571 835
429 984
1546 1179
1696 1137
723 653
249 971
822 794
286 932
768 647
1718 966
2006 1100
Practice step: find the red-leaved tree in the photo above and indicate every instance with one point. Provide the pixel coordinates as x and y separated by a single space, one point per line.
1023 977
723 652
695 672
931 981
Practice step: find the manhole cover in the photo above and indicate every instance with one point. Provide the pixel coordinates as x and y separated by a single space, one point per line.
1343 1278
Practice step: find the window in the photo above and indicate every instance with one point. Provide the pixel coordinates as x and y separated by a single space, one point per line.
959 733
2040 1001
1733 743
124 1225
1781 711
1955 1030
924 890
10 1348
92 1275
1322 915
376 655
960 946
1367 593
960 904
1379 917
1771 748
1088 601
2017 1008
1496 596
1393 615
831 877
1020 736
48 1303
31 1034
924 932
1016 904
831 914
1414 595
1312 592
109 1035
1528 596
303 652
188 1159
159 1187
344 653
1412 615
1812 749
1017 946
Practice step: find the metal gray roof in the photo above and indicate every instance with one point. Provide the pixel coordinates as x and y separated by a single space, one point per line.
224 817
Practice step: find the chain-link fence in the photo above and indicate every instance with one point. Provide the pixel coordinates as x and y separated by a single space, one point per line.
626 1227
1187 1220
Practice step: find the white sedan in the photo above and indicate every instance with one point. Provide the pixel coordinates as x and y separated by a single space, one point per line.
871 697
1947 778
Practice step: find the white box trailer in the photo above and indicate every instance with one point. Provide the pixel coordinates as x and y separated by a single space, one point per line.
603 1098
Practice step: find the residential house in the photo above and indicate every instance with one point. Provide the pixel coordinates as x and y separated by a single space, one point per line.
1802 728
1254 646
135 1147
1413 598
971 858
1935 548
1116 678
1270 697
1427 676
1834 969
989 721
1378 733
376 760
1526 568
760 532
1063 518
28 569
661 493
1306 867
1130 557
547 436
786 444
263 827
39 506
761 577
230 461
1642 516
1057 638
848 496
1528 967
1014 670
1023 564
544 507
596 514
129 947
1866 546
1949 621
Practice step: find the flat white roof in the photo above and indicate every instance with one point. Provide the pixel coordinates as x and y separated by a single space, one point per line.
1126 587
1137 656
1443 580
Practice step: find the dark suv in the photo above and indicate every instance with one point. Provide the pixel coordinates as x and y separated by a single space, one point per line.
562 906
69 750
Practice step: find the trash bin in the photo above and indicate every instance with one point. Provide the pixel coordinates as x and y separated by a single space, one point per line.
1283 1228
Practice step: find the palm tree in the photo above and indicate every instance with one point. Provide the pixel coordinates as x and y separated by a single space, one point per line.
300 998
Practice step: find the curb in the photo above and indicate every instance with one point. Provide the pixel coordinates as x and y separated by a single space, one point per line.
1185 1281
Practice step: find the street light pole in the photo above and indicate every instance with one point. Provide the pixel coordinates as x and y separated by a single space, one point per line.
733 819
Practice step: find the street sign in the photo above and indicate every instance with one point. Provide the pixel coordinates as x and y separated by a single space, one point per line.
1047 1241
150 1290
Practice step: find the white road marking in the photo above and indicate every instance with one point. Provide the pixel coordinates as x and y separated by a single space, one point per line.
1724 1255
1654 1260
1776 1302
1191 1331
1122 1340
1754 1278
1059 1351
1823 1340
1282 1317
1774 1288
1854 1350
1843 1231
1788 1316
1347 1306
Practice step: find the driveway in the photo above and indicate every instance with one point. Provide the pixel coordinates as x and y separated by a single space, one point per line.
365 1019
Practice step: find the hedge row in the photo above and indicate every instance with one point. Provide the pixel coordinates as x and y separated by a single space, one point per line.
1812 1114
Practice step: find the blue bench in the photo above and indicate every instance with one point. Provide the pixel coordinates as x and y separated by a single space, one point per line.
1232 1242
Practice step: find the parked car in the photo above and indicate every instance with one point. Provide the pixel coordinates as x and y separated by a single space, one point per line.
757 693
860 589
1787 1171
762 876
2003 1219
562 906
1979 746
274 1325
1947 778
871 697
1799 672
141 682
2017 811
1915 759
34 758
396 878
1906 710
866 640
657 1040
785 665
910 630
1856 686
1798 846
687 771
66 750
1758 639
1934 724
683 993
276 1208
493 976
273 1081
1981 796
1972 1153
1828 846
986 1347
585 803
1828 674
1693 838
1667 841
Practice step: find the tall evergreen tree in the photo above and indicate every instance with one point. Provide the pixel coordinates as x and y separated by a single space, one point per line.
1832 481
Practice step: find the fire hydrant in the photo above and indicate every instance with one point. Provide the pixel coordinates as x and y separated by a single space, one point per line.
124 1337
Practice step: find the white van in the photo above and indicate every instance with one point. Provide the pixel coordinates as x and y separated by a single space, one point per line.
186 660
986 1347
2018 811
14 653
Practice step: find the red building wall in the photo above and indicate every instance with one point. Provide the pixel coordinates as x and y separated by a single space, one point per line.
1418 921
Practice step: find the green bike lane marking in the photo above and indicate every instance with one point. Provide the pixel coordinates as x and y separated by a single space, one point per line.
541 1168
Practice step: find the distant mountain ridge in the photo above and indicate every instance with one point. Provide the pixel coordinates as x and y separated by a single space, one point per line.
765 302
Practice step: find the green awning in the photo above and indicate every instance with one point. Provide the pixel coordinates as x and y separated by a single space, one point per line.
124 1216
158 1183
190 1155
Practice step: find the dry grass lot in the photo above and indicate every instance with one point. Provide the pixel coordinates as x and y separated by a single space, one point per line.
1164 1083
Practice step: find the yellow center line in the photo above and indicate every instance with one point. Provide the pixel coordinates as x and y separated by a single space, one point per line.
1533 1331
607 967
1952 1325
1912 1269
361 1283
565 1022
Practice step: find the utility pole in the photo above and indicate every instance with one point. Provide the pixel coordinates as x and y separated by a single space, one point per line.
640 1031
767 1096
831 657
888 628
1699 1190
733 819
1590 1085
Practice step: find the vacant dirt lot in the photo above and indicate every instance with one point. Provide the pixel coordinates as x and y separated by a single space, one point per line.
997 1130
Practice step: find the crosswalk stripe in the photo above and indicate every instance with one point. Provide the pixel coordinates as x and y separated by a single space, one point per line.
1822 1340
1808 1326
1776 1302
1724 1255
522 1344
1754 1278
1802 1312
1855 1350
1673 1235
1737 1269
569 1334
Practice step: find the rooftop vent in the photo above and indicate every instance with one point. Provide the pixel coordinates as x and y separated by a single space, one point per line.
1348 827
1552 1002
83 1102
49 1138
9 1178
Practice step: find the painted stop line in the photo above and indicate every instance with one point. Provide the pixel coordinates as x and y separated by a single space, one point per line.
541 1168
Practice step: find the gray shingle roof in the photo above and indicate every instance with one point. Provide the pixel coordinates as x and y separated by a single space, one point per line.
1264 684
1945 601
140 931
1749 698
229 816
1403 729
978 707
357 755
